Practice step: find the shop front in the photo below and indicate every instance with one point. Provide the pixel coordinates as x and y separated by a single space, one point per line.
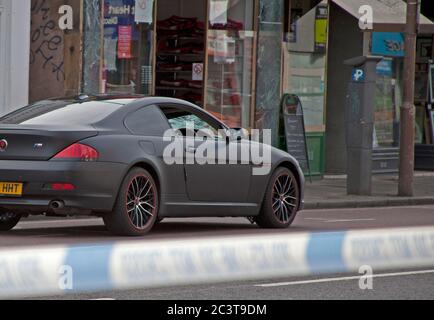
209 52
388 99
14 53
305 71
385 39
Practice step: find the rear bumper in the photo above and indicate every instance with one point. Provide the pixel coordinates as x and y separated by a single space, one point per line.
96 184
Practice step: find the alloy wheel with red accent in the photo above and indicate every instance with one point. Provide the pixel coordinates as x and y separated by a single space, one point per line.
141 201
136 208
281 202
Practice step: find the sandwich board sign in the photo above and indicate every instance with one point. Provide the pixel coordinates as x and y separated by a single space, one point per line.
295 132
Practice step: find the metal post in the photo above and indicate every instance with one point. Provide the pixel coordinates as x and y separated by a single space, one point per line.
406 163
359 115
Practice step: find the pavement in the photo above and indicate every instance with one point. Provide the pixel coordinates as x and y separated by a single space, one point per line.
331 193
401 284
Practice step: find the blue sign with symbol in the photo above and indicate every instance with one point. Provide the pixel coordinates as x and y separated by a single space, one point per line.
358 75
385 68
390 44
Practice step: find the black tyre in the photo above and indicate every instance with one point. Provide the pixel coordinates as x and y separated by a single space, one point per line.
159 220
8 220
137 205
281 202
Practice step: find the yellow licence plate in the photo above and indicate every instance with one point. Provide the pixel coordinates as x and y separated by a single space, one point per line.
11 189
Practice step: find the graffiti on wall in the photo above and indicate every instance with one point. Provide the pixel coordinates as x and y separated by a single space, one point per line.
47 73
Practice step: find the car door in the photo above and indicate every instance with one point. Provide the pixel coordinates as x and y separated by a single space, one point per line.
149 125
210 177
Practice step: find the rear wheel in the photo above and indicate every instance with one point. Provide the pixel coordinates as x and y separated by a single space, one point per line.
8 220
136 208
281 202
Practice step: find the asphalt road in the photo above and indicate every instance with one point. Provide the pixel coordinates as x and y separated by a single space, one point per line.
402 284
393 285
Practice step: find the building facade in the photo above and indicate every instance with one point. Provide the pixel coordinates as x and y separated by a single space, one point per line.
14 54
234 58
314 70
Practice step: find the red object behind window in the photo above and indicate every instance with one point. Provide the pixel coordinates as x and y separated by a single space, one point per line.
78 152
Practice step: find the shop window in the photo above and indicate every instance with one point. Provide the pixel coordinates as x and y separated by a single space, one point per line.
181 49
307 73
231 39
423 90
128 46
306 58
387 103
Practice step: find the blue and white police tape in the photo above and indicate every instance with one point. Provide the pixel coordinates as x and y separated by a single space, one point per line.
40 271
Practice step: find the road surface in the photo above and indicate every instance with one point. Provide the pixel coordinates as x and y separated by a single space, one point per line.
402 284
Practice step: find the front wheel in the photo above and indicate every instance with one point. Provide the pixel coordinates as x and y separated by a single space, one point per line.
281 202
8 220
136 208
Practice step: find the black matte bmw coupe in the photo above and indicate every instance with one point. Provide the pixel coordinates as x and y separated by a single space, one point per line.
112 157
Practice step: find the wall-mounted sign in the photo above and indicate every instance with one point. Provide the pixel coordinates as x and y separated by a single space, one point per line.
222 47
125 42
321 28
218 12
119 12
197 71
384 68
144 11
358 75
389 44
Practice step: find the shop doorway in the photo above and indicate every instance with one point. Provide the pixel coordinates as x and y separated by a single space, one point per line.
180 49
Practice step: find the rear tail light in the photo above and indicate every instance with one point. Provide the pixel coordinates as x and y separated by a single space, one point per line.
78 152
62 187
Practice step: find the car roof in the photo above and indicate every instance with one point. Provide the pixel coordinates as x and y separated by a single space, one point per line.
127 99
135 102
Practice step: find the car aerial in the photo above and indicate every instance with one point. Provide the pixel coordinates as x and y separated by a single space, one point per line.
105 156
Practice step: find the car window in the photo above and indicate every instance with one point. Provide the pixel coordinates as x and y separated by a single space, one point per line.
61 113
148 121
181 120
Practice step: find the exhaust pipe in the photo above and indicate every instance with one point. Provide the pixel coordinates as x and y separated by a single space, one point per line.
56 205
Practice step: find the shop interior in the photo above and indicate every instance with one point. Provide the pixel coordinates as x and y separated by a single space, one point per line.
183 52
180 49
